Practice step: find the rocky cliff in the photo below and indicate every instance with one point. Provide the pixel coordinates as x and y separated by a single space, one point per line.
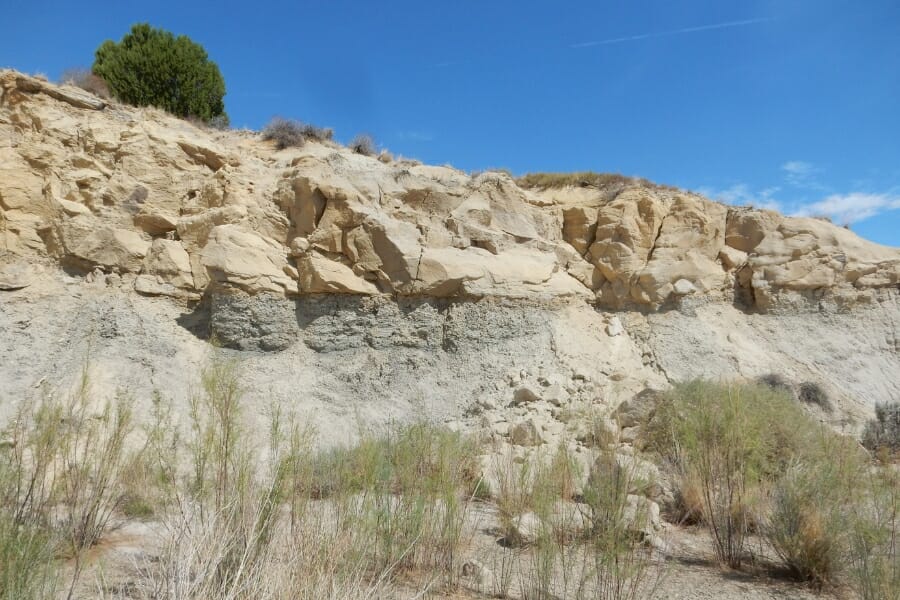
357 288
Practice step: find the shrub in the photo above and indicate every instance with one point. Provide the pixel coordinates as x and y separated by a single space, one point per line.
776 382
812 508
84 79
288 133
60 482
687 507
407 491
318 134
284 132
621 567
152 67
27 568
579 179
882 434
812 393
730 438
363 144
27 543
874 549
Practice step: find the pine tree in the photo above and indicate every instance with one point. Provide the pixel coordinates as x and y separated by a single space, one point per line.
152 67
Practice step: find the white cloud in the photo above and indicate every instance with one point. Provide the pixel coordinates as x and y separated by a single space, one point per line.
802 174
850 208
740 194
842 208
798 168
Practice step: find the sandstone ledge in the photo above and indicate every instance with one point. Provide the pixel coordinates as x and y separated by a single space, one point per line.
175 210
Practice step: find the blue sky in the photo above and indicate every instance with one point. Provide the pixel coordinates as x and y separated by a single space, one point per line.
791 104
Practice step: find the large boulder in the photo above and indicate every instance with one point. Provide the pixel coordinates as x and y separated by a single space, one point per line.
244 259
321 275
167 271
88 243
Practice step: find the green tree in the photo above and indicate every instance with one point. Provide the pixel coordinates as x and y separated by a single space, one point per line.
152 67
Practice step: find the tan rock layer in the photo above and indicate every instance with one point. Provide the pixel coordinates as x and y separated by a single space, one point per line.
176 208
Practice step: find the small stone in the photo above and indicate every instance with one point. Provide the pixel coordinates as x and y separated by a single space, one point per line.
525 394
657 543
614 327
638 409
524 529
629 434
155 223
683 287
641 515
526 433
555 394
15 276
500 428
486 403
73 208
299 246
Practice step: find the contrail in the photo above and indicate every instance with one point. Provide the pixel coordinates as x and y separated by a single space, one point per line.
644 36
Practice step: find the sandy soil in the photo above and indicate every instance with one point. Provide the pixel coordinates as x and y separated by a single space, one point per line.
117 568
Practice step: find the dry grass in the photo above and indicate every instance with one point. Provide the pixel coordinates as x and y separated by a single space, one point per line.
288 133
812 509
602 181
363 144
345 522
874 556
881 435
62 474
86 80
573 545
247 513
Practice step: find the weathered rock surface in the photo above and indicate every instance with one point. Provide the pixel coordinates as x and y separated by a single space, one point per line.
93 185
398 285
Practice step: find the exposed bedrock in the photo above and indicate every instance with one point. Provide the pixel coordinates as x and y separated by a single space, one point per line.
350 284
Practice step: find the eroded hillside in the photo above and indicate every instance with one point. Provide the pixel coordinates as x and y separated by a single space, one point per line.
360 287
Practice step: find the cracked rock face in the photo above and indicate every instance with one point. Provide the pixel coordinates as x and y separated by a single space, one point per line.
431 279
91 185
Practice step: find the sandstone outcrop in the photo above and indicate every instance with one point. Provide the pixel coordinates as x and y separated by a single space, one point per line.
356 287
95 185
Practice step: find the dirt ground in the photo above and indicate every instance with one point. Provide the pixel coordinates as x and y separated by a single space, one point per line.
117 568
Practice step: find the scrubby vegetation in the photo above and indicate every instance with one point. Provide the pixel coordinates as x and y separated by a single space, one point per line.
755 463
882 434
727 438
240 518
593 541
812 508
578 179
874 555
288 133
62 479
86 80
363 144
591 179
813 393
152 67
285 133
